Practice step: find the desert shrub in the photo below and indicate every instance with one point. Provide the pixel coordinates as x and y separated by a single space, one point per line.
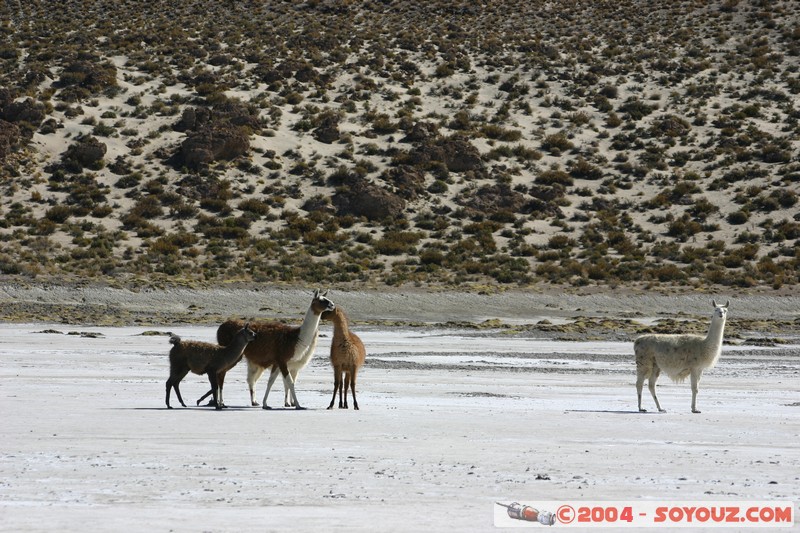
613 120
668 273
554 177
383 125
738 218
438 187
494 131
560 242
701 209
684 227
557 143
431 256
609 91
254 206
148 207
397 242
582 169
635 108
58 214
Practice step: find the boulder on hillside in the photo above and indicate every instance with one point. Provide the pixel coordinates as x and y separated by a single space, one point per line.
457 153
409 181
491 199
362 198
200 148
328 129
193 119
27 110
460 155
421 132
86 152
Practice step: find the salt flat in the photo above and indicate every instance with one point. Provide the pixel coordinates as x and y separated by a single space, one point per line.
451 421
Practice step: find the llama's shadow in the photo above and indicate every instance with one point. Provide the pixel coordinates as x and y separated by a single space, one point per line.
207 408
612 412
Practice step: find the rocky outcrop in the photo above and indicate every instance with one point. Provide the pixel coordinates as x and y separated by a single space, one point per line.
211 144
328 130
409 181
457 154
491 199
220 133
362 198
87 152
421 132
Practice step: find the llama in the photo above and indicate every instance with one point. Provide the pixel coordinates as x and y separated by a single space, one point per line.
679 356
281 348
347 356
205 358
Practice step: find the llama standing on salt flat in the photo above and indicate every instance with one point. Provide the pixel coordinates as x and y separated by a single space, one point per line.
205 358
679 356
347 356
281 348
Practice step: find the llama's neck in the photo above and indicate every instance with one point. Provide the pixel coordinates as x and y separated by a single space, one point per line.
340 326
714 338
308 331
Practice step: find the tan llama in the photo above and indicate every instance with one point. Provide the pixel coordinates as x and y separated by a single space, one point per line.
347 356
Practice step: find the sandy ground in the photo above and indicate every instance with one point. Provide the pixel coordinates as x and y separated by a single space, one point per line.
122 306
451 421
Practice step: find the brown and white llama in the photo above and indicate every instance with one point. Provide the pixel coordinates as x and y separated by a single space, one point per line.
347 356
205 358
280 347
679 356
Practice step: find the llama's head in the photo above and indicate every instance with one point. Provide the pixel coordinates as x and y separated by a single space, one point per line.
248 333
720 311
320 303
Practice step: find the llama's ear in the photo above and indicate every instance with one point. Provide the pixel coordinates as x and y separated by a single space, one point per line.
326 292
316 293
714 303
727 304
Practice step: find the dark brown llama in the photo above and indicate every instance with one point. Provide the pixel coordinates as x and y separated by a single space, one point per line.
205 358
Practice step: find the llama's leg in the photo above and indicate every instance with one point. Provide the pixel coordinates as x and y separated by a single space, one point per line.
220 381
272 375
174 382
204 396
695 380
641 374
254 372
287 400
651 384
346 388
212 380
288 382
337 383
342 389
221 384
353 389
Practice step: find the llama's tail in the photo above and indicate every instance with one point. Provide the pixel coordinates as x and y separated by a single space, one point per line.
174 339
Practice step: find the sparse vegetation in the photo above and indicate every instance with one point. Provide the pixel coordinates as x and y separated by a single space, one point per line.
287 142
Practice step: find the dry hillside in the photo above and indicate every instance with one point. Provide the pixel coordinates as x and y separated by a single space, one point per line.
443 142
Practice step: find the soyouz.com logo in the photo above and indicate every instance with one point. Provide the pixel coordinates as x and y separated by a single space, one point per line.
639 514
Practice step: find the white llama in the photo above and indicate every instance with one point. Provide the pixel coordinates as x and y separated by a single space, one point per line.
679 356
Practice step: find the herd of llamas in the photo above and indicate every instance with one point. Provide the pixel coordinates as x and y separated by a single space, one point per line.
287 349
